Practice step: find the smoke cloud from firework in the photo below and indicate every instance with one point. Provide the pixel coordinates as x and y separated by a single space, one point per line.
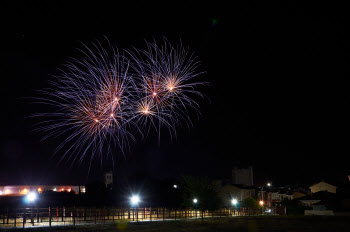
106 98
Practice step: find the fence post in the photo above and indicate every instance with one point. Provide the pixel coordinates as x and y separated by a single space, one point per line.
24 216
7 219
31 219
15 217
84 216
157 213
175 214
137 214
163 213
104 214
113 212
50 216
37 215
3 217
150 213
95 215
74 216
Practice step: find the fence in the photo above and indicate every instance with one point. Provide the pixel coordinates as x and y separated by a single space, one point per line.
53 216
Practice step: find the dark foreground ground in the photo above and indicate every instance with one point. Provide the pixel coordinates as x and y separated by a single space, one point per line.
237 224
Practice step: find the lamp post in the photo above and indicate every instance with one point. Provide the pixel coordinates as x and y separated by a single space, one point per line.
262 192
195 201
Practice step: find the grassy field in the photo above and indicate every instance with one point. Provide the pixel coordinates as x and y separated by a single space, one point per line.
237 224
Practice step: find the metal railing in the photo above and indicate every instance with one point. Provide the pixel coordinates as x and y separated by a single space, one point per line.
54 216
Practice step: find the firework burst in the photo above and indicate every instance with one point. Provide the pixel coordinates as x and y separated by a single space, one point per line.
99 100
93 104
164 76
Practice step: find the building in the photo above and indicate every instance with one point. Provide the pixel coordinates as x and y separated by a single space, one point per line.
18 190
323 186
242 176
228 192
108 179
320 197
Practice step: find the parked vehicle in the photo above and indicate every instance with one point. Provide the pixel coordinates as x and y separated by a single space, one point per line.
268 211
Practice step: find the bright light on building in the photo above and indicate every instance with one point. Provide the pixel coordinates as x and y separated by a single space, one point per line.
195 200
31 197
269 184
261 202
24 191
7 191
55 189
0 193
134 200
175 186
234 202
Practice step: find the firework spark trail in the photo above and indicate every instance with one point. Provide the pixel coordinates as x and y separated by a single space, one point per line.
102 98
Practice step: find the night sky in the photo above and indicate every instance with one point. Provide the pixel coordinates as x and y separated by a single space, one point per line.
277 73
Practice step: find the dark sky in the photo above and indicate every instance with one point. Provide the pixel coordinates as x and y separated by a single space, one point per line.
278 96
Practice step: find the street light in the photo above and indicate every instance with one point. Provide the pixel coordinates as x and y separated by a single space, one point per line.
134 200
31 197
262 193
234 201
195 200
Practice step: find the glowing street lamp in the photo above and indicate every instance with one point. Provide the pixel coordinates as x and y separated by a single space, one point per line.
234 201
261 203
134 200
195 200
31 197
